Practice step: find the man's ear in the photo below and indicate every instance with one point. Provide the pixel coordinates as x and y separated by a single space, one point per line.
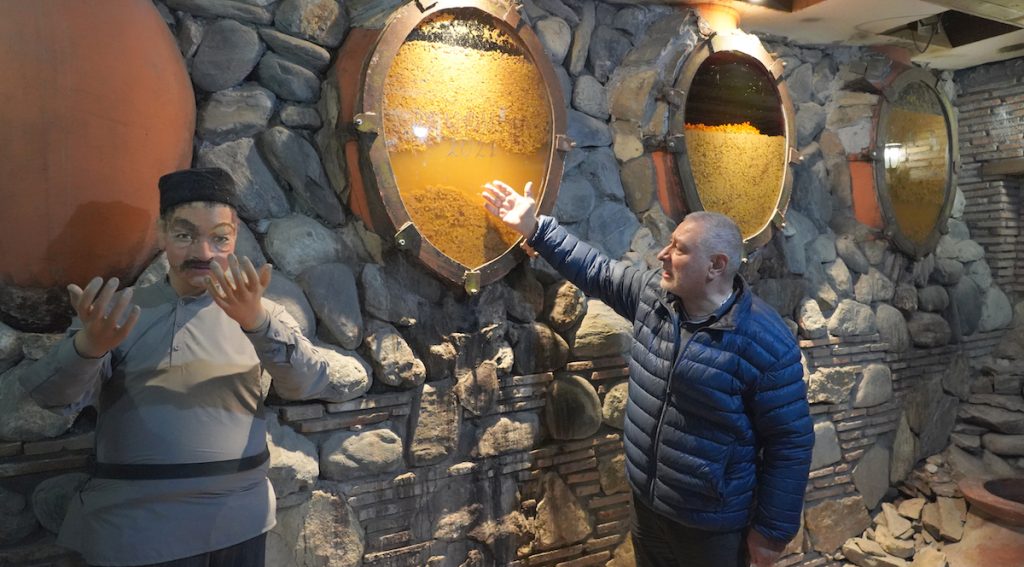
719 263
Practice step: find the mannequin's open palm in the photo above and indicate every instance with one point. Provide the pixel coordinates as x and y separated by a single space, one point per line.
517 211
107 315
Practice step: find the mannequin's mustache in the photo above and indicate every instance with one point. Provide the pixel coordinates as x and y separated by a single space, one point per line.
195 265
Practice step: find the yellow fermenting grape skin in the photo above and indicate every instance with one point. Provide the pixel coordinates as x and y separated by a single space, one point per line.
741 128
451 25
458 93
738 172
476 236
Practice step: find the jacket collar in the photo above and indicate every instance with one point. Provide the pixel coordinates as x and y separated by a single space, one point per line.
740 306
729 320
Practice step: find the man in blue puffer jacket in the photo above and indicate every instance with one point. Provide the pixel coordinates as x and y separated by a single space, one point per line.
717 432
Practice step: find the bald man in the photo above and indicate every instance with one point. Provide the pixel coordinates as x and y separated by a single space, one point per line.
717 432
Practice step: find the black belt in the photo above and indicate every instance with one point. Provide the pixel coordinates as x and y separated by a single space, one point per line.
184 470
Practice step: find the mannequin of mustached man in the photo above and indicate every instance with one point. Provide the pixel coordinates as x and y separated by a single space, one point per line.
174 369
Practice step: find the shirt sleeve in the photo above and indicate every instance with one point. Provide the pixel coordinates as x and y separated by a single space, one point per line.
65 381
298 369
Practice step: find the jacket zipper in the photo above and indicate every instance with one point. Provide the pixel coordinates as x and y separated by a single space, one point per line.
668 395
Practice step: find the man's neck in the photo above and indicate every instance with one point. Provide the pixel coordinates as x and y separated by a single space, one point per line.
706 304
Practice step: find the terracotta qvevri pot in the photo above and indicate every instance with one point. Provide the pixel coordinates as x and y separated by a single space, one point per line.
97 106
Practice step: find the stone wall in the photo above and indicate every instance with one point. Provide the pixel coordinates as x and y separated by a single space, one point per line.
988 439
927 519
991 128
443 439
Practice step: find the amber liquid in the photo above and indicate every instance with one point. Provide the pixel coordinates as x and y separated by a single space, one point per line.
441 187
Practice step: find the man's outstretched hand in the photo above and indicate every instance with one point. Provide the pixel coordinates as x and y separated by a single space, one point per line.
517 211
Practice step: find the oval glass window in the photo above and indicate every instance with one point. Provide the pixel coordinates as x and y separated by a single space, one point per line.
464 104
737 146
917 157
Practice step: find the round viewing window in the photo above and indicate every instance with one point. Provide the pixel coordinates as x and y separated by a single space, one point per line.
915 154
736 122
455 95
464 104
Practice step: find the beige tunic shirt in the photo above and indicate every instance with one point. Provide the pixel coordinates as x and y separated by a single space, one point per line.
184 387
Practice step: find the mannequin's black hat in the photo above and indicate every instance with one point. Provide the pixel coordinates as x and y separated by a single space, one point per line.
210 184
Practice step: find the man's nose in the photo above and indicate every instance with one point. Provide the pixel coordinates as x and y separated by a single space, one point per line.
203 248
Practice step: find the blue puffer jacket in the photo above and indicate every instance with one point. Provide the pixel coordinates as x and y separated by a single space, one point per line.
717 430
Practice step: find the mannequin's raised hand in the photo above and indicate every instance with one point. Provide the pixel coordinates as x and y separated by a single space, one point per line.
102 310
240 291
518 212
